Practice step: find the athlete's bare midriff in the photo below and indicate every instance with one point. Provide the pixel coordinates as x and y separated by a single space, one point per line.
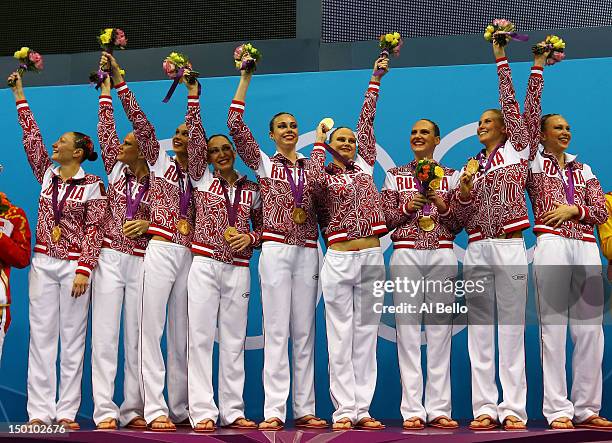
357 244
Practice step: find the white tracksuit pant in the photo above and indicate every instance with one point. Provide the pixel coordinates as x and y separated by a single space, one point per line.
289 280
500 265
347 279
570 289
218 295
117 284
166 267
437 265
54 314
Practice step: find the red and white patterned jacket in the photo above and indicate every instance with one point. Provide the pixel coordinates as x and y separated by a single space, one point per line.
399 189
117 171
82 216
545 186
353 208
164 192
211 219
15 251
277 200
497 203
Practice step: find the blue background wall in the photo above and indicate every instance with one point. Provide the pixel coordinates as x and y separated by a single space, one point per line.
452 96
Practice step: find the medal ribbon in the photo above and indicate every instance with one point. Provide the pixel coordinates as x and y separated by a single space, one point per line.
421 189
175 83
348 164
58 208
232 209
296 191
131 205
480 156
569 186
184 192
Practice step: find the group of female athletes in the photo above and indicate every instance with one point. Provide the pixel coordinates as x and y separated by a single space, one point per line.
168 243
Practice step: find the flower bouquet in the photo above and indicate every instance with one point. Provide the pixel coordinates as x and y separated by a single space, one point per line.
175 66
29 60
555 45
502 31
429 173
109 40
246 57
390 44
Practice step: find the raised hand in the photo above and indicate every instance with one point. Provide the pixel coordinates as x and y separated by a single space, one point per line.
498 50
466 182
322 131
14 80
106 60
381 63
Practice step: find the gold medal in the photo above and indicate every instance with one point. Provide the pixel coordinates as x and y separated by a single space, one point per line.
299 216
229 233
426 224
472 166
328 122
183 226
56 234
434 185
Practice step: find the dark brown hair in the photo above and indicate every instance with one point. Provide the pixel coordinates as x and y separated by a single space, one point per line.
84 142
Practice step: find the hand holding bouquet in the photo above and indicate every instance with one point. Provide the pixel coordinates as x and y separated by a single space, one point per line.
109 40
554 45
176 66
246 57
29 60
502 31
390 44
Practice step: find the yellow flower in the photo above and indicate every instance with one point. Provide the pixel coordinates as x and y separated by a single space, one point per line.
22 53
248 46
389 37
490 29
106 36
395 42
121 71
487 36
554 39
559 45
439 172
396 35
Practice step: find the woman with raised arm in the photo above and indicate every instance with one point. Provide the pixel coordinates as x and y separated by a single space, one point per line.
353 262
491 205
118 279
424 228
288 264
71 211
219 279
166 267
568 203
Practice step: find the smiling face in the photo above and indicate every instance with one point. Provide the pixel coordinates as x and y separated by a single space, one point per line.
491 128
64 150
344 142
180 139
556 134
284 131
423 139
129 151
221 154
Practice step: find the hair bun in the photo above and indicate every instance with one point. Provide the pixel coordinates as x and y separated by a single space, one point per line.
93 156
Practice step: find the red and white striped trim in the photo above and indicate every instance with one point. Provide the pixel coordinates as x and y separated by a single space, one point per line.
121 87
237 106
253 239
238 261
319 146
39 247
411 244
537 70
336 237
374 86
161 231
501 62
83 269
107 243
201 248
379 228
74 255
515 225
275 236
545 229
475 236
106 99
465 202
193 100
21 105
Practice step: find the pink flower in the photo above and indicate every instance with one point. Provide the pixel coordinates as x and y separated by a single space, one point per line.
169 68
36 59
396 50
501 22
558 56
238 53
120 39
